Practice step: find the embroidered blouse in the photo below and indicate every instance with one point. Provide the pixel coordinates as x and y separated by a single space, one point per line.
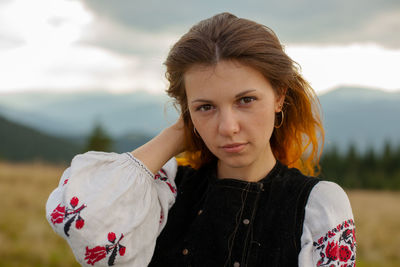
111 209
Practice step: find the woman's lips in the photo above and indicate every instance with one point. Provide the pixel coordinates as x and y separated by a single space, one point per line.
234 148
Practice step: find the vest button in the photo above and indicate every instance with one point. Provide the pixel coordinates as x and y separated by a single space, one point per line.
236 264
199 212
185 251
261 186
246 221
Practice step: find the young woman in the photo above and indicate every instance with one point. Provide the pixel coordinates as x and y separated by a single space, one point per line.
240 193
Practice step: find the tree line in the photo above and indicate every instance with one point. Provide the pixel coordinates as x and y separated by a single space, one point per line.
373 169
351 169
369 170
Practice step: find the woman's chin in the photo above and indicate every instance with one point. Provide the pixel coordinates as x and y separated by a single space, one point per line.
235 162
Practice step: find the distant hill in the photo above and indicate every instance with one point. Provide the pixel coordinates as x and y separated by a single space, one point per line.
129 142
20 143
124 143
366 117
75 113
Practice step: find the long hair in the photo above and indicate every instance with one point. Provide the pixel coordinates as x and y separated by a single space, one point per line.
298 142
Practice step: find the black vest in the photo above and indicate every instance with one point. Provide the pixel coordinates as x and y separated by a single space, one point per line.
229 222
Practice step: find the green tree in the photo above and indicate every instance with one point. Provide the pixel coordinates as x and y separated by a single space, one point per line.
352 167
99 140
368 170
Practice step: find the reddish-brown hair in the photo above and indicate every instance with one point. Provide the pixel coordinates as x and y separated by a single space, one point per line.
297 143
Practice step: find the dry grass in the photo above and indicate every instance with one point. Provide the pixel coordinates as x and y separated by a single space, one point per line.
26 239
377 217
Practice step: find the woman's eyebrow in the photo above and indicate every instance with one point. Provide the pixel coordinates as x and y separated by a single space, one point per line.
236 96
201 100
244 93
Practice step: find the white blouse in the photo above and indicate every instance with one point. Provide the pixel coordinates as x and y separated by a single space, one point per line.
110 208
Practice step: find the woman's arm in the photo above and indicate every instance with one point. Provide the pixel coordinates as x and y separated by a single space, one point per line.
328 231
111 207
155 153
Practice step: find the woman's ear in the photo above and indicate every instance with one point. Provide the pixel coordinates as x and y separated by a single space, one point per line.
280 99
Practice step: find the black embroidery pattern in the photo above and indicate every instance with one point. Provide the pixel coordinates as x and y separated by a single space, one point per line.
63 214
140 164
98 253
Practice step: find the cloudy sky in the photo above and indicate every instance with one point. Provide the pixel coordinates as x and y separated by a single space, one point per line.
120 45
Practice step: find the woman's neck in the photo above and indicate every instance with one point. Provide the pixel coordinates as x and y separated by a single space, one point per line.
251 173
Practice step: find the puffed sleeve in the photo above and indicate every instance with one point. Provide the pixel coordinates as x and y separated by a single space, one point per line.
110 208
328 237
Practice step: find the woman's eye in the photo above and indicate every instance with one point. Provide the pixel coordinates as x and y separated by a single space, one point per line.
246 100
206 107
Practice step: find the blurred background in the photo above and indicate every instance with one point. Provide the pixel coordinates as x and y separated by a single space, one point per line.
89 75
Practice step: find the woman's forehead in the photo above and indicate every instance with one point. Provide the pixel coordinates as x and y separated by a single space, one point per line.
228 77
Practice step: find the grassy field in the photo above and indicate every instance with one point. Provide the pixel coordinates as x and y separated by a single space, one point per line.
26 238
377 217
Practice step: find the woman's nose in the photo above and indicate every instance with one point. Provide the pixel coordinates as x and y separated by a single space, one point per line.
228 123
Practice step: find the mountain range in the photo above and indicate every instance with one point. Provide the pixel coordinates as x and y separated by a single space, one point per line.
74 114
363 116
22 143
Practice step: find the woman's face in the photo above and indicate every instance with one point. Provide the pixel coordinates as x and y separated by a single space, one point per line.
233 109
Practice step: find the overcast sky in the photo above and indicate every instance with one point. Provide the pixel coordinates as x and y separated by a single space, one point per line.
119 45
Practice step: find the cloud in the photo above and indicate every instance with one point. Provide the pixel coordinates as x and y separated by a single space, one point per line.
300 22
127 40
76 67
9 41
121 45
39 49
359 65
384 27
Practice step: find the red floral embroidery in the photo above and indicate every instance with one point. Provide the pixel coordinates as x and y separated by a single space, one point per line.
65 182
98 253
331 234
95 254
162 175
79 223
332 251
344 253
122 250
171 187
57 216
111 237
61 214
354 235
74 202
161 216
338 246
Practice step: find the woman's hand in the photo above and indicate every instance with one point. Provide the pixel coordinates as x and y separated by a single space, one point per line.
177 130
155 153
